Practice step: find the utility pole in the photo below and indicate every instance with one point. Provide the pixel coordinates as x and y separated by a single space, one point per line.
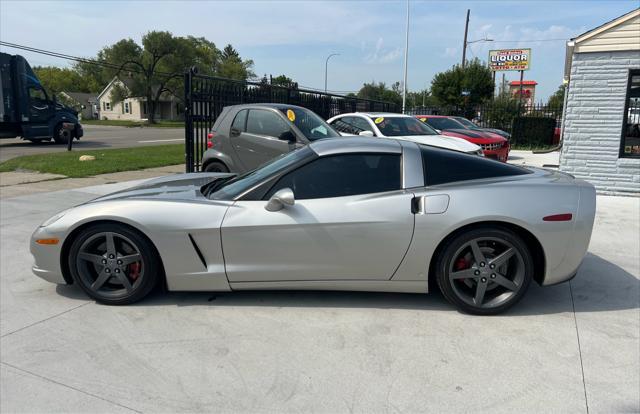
406 56
464 44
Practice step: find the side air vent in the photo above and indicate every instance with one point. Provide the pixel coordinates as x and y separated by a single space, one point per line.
197 249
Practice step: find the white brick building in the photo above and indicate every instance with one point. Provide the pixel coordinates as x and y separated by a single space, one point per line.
601 123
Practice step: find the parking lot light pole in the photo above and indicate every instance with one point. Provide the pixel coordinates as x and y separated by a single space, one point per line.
326 65
406 59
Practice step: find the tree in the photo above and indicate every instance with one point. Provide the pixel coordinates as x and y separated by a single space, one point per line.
557 99
154 68
56 80
476 78
285 81
232 66
380 92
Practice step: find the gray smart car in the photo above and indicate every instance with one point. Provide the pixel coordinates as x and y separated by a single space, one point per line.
246 136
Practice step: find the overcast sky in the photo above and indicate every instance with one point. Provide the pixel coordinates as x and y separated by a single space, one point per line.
294 37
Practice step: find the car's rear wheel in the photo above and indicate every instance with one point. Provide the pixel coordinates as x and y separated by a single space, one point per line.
114 264
485 271
217 167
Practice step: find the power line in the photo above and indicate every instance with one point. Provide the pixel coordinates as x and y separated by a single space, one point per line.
530 40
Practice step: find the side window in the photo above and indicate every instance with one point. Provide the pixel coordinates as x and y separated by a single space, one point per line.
361 124
240 120
37 95
264 122
442 166
345 125
343 175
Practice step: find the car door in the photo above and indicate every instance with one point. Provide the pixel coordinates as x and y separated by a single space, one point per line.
40 110
260 141
351 221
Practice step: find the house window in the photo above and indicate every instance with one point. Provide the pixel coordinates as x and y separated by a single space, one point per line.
106 106
126 107
630 143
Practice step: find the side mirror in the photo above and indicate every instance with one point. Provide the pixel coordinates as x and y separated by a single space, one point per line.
439 131
280 199
288 136
365 133
234 132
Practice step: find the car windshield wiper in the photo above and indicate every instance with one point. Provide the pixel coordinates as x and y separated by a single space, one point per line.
214 185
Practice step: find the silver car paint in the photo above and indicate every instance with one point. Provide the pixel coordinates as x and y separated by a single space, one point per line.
372 235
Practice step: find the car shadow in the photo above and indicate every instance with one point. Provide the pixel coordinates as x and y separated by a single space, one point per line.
600 286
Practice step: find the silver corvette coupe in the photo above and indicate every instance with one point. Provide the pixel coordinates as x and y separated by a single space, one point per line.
340 214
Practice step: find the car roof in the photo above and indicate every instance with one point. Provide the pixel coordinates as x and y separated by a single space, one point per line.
343 145
377 114
266 105
435 116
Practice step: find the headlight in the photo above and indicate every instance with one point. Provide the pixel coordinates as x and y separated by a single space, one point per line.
53 219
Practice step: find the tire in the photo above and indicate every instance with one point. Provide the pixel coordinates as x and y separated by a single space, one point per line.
216 166
484 271
103 271
62 135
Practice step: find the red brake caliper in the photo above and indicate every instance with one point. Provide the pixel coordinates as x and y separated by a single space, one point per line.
461 264
134 271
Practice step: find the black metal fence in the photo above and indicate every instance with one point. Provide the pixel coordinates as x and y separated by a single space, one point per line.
528 124
205 96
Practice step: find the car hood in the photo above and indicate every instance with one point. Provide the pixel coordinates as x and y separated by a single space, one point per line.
486 137
171 187
442 141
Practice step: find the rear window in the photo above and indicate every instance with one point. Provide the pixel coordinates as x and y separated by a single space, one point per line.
444 123
443 166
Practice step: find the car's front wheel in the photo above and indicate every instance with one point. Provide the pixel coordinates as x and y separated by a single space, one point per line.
114 264
485 271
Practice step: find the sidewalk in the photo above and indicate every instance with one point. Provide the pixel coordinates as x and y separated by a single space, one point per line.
13 184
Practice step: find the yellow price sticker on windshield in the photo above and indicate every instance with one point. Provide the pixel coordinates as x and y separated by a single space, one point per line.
291 115
423 119
378 120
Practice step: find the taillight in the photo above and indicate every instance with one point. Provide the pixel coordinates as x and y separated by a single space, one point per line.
209 140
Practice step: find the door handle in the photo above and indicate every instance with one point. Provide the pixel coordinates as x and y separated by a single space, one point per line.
430 204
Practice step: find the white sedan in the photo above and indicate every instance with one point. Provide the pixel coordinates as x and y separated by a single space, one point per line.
398 126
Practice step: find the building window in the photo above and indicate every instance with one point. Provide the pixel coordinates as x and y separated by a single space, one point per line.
126 107
106 106
630 144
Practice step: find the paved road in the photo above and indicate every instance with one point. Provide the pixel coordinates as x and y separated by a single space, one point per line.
96 137
562 348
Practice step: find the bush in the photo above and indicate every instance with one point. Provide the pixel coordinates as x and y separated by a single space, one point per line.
535 131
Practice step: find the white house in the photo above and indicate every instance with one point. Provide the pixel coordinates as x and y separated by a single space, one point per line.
601 131
136 108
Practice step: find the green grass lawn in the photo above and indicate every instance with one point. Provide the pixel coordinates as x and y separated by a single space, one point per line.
107 161
133 124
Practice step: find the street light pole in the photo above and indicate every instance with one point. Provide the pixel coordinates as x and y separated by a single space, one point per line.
406 57
326 65
464 43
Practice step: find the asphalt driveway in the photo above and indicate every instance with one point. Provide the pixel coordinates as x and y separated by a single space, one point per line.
562 349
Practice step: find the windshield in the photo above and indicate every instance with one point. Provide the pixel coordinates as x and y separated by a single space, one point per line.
310 124
229 189
444 123
402 126
467 123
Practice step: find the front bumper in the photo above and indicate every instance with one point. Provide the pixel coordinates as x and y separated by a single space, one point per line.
500 154
46 257
79 132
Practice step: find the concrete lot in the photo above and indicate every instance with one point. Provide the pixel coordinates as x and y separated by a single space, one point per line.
95 137
561 349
